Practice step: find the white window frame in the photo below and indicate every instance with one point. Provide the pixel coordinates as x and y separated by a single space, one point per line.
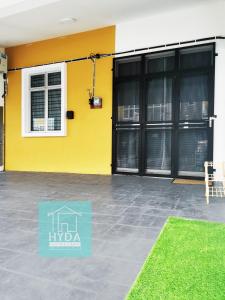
26 99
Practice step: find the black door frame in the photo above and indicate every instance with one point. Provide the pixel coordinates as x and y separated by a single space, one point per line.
176 74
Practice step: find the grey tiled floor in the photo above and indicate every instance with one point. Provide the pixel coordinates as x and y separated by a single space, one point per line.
128 214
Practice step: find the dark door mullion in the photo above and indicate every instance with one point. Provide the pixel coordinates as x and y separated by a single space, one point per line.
180 76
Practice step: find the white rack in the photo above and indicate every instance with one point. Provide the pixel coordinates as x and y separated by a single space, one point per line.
214 180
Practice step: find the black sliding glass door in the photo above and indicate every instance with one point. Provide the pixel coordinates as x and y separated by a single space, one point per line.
162 105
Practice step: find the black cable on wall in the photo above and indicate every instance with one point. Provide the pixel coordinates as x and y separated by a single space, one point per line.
134 51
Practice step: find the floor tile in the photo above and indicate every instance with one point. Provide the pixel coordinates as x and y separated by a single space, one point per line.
128 215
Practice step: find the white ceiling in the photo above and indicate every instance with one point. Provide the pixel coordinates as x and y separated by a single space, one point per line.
24 21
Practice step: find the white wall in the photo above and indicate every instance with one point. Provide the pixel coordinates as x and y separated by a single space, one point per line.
182 25
219 107
1 83
1 104
1 89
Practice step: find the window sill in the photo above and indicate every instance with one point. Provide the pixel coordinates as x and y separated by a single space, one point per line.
44 134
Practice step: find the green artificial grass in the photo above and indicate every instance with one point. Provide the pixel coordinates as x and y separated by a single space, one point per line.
187 262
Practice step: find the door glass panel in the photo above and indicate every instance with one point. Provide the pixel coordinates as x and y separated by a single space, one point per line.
1 138
128 67
196 57
160 62
159 99
158 154
128 101
194 97
127 150
193 145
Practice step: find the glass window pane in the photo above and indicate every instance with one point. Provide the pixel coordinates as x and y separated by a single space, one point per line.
128 101
37 81
54 109
193 144
194 96
128 66
160 62
158 156
196 57
54 78
38 111
127 150
159 99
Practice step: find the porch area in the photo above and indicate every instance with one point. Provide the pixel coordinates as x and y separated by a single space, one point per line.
128 214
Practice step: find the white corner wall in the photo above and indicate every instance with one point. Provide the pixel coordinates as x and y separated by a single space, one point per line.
179 25
182 25
2 50
219 106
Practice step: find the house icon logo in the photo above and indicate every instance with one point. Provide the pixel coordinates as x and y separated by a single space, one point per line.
64 228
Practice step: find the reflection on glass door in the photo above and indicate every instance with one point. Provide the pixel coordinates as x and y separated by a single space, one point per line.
159 100
128 101
127 150
194 97
158 160
193 149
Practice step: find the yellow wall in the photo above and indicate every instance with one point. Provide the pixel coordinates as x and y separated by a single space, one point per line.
87 146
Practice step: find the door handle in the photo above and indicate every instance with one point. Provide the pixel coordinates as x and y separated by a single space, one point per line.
211 119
